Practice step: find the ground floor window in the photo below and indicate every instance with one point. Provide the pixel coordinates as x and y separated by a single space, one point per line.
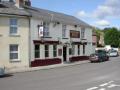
73 49
46 50
83 49
13 48
78 49
70 51
54 50
37 51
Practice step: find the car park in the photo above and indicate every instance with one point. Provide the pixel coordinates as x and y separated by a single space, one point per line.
99 56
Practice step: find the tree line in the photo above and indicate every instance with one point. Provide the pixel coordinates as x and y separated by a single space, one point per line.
111 36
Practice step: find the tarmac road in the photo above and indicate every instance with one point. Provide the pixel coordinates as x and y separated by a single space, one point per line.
89 76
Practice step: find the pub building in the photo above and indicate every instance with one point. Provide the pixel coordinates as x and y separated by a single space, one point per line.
58 38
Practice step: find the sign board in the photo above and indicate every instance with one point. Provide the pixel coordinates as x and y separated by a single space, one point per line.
40 31
74 34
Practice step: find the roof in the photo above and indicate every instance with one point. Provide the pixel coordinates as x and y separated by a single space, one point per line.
46 15
10 9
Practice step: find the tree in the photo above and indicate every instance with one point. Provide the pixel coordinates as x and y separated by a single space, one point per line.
112 37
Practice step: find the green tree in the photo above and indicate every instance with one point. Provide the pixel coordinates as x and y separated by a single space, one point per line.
112 37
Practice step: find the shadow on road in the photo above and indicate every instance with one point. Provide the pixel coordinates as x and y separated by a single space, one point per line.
5 76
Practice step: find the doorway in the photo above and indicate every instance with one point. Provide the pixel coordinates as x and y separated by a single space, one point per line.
64 53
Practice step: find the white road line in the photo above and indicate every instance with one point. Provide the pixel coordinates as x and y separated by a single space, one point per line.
105 84
102 89
113 85
93 88
102 85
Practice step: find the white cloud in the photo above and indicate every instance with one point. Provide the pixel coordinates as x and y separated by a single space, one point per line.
111 8
103 23
82 14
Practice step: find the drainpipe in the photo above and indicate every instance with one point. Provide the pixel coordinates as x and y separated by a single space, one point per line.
29 41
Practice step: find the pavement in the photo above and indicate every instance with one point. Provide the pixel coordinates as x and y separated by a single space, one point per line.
30 69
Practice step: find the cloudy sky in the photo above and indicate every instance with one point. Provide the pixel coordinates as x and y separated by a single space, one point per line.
99 13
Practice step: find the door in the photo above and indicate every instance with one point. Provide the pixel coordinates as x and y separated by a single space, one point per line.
64 54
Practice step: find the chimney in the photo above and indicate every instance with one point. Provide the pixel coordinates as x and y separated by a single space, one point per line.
19 3
27 2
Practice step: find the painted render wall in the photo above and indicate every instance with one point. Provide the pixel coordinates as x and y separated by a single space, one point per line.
56 34
22 39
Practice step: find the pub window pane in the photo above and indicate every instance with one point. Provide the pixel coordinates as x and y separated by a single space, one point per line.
54 50
46 50
37 51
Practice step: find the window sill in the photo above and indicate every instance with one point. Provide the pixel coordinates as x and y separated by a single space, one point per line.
15 60
14 35
47 37
65 38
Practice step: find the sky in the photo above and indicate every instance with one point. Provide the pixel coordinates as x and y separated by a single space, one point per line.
98 13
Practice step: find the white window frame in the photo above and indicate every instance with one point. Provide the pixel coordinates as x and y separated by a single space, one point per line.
64 29
14 52
13 26
46 31
82 33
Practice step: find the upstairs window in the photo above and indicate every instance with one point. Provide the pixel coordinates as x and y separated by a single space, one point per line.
13 26
46 29
63 31
82 33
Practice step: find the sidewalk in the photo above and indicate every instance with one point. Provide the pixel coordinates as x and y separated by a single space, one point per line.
30 69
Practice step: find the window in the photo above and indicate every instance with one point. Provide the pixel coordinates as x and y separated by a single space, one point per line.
54 50
63 31
70 51
78 49
46 29
13 26
73 49
37 51
83 49
46 50
13 52
82 33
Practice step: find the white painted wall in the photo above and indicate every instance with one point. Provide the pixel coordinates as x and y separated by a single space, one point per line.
55 33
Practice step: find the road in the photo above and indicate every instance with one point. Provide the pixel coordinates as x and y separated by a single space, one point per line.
89 76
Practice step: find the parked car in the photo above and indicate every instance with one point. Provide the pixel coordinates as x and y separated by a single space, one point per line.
2 71
99 56
113 53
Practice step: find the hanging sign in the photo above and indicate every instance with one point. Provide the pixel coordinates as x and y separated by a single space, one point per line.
40 31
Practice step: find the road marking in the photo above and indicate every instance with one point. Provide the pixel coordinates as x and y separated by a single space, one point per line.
105 84
113 85
93 88
102 89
